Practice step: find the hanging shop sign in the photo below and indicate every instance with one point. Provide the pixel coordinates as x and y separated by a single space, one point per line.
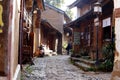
106 22
76 38
1 20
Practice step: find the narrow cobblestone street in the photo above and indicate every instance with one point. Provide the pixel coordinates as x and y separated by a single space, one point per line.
58 68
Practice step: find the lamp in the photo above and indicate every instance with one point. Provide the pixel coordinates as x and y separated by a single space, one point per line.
67 34
35 11
97 8
97 11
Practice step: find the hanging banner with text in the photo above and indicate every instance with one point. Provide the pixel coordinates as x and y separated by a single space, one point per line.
106 22
76 38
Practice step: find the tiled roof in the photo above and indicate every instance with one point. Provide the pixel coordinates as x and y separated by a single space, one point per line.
89 14
54 8
58 10
79 3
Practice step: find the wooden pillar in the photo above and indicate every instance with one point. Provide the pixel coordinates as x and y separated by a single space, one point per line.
59 46
36 38
99 36
54 43
116 69
100 40
37 22
31 42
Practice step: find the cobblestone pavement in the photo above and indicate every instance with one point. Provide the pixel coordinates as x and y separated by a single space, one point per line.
58 68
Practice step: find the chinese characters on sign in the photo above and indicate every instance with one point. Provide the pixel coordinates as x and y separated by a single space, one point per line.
1 21
106 22
76 38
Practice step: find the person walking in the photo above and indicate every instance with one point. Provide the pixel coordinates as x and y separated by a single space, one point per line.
69 46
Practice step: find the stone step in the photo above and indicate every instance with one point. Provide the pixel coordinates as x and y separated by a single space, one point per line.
85 61
85 57
84 64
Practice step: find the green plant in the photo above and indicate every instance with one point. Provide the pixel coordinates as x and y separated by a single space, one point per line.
64 45
108 50
21 78
105 66
28 69
108 53
91 69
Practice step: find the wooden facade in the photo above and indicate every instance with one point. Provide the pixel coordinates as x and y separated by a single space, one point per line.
85 26
30 22
49 35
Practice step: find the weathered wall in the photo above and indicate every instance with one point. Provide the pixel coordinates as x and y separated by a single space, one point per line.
9 38
14 30
54 18
116 70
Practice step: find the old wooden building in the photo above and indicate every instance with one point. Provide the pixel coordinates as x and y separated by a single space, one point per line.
29 36
16 35
84 27
53 33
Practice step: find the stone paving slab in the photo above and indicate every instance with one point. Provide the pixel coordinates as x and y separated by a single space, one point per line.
58 68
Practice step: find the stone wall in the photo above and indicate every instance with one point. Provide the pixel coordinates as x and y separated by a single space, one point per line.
116 70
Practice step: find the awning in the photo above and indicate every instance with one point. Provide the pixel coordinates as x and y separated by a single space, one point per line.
48 26
87 16
80 3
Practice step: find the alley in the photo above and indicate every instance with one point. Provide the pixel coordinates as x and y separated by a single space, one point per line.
58 68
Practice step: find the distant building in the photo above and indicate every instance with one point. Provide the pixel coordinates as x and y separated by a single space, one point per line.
56 18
